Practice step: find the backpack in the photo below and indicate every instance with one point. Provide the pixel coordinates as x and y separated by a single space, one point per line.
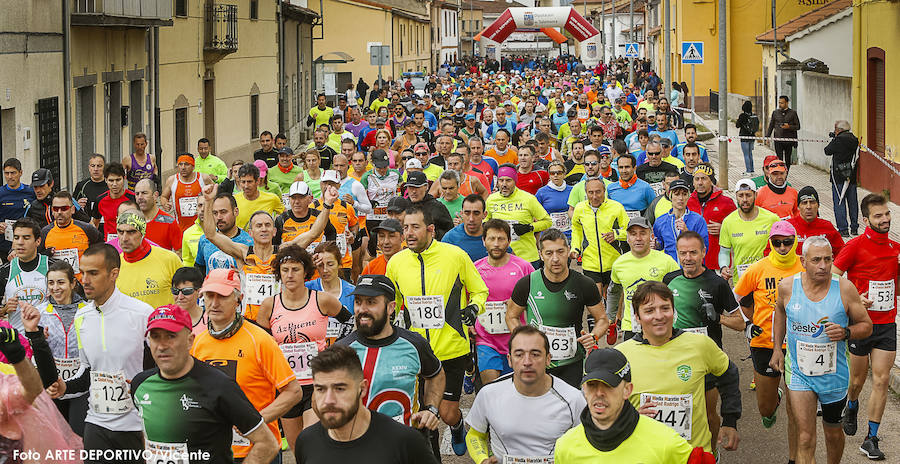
752 124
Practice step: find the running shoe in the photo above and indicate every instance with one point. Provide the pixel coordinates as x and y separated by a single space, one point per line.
469 383
870 448
849 420
458 439
768 422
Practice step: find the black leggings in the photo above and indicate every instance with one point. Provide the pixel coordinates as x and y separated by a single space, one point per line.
784 151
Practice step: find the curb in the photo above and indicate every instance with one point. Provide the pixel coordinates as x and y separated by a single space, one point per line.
895 380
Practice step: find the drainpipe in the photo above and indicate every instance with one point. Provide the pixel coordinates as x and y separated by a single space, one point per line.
155 119
70 178
281 111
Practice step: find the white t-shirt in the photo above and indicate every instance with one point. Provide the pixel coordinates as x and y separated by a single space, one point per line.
525 426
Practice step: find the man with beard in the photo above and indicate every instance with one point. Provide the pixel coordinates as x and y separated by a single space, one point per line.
146 271
744 232
403 360
347 431
712 203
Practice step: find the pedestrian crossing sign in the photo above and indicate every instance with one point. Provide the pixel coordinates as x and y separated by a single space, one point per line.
631 50
692 52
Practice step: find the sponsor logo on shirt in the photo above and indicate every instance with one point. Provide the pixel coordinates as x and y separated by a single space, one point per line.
683 372
813 328
187 402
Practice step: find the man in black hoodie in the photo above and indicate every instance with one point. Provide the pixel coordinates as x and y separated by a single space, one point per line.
843 149
417 188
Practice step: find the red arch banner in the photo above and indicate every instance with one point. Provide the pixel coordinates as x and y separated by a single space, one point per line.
543 18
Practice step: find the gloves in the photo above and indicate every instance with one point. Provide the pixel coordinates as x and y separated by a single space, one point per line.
753 330
709 313
612 335
522 229
10 345
469 314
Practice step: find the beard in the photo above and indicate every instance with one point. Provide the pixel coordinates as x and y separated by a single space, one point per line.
344 415
372 329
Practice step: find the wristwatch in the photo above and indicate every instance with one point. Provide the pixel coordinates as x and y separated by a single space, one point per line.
430 408
846 333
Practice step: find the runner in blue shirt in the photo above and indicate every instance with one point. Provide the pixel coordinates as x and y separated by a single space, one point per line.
14 200
669 226
555 197
634 194
469 235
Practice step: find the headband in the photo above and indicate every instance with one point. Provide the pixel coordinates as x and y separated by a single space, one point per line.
507 171
705 170
186 159
133 219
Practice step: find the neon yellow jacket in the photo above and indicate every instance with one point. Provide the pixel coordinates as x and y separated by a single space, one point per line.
590 225
446 270
523 208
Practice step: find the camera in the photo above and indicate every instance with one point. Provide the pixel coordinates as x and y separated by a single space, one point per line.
831 134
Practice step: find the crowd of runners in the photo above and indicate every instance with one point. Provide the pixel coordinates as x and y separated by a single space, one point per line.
543 239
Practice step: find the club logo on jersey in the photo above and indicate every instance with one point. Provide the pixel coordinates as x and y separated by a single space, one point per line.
683 372
187 402
569 295
539 295
813 329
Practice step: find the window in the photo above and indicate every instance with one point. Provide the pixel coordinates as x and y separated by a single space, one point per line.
84 125
181 137
181 8
875 96
254 9
254 116
402 33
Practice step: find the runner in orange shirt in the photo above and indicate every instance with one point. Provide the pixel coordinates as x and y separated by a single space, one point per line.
65 237
502 152
186 187
390 242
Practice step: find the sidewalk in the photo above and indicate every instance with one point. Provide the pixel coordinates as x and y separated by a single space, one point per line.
800 176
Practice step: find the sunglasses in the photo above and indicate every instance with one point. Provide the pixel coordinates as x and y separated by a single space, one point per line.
407 158
591 163
57 209
421 153
654 152
556 173
186 291
776 165
780 243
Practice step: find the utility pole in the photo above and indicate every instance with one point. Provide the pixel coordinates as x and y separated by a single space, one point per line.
668 51
603 28
632 37
613 29
775 43
723 98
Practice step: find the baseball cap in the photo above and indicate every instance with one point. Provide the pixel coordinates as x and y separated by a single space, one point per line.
783 228
374 285
807 193
263 167
639 221
745 184
416 179
222 281
413 163
169 317
508 103
286 150
398 204
459 104
769 159
331 176
380 159
299 188
41 177
607 365
679 184
470 117
421 146
380 121
776 165
389 225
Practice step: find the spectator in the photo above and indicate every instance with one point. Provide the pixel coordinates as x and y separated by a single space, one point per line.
843 150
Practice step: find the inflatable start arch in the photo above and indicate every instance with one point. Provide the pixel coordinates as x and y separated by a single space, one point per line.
545 19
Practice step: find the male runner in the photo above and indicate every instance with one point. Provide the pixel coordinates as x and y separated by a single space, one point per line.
742 237
181 191
521 210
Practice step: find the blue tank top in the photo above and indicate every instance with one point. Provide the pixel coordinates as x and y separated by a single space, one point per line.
816 363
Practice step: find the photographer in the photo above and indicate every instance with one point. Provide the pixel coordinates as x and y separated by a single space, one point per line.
843 150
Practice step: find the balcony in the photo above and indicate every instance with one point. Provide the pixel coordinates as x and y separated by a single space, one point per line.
221 25
122 13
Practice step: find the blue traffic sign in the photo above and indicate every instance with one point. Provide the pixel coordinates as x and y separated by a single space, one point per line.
692 52
631 50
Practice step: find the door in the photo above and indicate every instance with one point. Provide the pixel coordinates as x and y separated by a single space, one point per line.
48 135
84 127
209 112
136 100
114 121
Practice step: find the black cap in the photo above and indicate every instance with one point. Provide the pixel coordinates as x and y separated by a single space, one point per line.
398 205
41 177
286 150
607 365
807 193
416 179
374 285
380 159
389 225
679 183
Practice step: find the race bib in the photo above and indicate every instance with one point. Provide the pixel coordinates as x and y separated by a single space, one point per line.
298 356
258 287
67 367
816 359
379 213
584 113
632 214
69 255
672 410
111 237
333 330
561 221
341 242
562 342
8 235
109 393
494 318
166 453
311 248
881 292
527 459
697 330
238 439
286 200
512 232
426 312
741 269
658 188
187 206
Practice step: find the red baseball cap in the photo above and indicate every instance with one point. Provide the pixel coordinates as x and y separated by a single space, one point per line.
169 317
222 281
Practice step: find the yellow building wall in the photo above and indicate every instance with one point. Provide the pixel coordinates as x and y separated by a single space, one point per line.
182 71
875 25
95 50
348 27
415 54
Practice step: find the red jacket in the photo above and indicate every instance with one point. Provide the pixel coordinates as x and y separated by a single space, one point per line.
819 226
714 209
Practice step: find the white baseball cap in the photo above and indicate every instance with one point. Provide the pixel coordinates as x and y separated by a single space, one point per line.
299 188
413 163
745 184
331 176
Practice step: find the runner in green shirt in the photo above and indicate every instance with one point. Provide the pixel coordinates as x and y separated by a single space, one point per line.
744 233
210 164
285 172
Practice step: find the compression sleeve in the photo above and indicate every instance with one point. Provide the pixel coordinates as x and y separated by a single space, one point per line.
477 444
731 395
724 257
345 315
43 357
